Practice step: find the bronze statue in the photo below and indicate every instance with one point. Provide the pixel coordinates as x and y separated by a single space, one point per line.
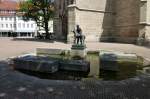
78 36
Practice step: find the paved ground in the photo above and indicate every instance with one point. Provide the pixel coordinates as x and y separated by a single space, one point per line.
9 47
15 85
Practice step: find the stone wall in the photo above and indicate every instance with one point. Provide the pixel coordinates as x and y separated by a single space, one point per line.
92 4
101 20
94 17
60 20
147 35
91 24
127 20
144 22
71 22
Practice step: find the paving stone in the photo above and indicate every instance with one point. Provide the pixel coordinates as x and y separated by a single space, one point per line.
2 94
49 89
87 89
21 89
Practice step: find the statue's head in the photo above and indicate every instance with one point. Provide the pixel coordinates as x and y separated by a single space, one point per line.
77 26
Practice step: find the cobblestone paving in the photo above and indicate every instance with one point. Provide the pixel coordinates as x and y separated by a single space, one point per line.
15 85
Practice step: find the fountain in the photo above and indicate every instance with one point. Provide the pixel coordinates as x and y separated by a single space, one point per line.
79 63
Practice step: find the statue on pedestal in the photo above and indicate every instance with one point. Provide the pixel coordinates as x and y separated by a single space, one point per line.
79 38
78 49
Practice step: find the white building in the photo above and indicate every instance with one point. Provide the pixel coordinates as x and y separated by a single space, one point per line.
7 14
50 26
6 25
12 24
25 28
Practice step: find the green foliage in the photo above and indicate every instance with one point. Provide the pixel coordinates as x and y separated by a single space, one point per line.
41 11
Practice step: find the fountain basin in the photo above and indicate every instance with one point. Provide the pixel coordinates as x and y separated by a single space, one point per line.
100 64
35 63
114 61
49 64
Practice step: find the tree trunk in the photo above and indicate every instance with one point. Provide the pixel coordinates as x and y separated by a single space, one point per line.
47 30
47 36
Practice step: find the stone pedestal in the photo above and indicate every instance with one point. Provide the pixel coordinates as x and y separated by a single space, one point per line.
78 51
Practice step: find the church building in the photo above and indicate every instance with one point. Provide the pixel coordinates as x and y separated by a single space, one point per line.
103 20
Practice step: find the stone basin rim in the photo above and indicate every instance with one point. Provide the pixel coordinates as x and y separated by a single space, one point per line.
135 78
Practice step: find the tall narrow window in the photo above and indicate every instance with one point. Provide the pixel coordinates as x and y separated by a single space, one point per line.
19 25
31 25
28 25
2 18
2 25
6 25
10 18
11 26
23 25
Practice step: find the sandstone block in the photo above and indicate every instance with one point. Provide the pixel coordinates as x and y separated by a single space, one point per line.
34 63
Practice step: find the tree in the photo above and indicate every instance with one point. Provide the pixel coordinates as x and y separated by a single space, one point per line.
41 11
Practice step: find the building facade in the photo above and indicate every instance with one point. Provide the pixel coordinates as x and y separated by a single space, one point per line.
145 20
61 18
104 20
12 23
25 28
124 21
7 16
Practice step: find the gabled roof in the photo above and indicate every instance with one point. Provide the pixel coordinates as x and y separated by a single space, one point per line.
8 5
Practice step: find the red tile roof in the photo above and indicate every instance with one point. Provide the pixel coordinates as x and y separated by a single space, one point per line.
8 5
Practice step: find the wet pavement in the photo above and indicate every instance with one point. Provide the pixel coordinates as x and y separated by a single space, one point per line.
15 85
